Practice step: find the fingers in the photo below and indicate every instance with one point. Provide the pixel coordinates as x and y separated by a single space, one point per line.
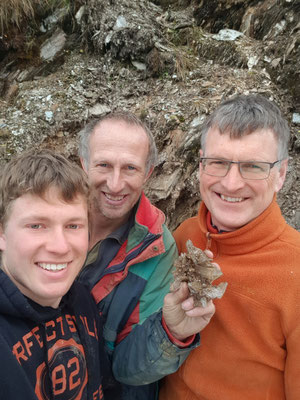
188 304
205 312
217 266
209 253
180 315
177 296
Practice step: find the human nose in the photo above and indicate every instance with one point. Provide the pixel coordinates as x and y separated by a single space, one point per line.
58 242
233 180
115 182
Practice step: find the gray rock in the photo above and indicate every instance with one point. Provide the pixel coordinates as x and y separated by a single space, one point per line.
296 118
227 35
53 45
99 109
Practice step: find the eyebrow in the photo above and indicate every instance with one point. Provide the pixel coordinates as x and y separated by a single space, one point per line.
43 218
227 159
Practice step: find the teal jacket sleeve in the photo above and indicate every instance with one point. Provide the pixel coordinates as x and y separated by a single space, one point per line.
147 354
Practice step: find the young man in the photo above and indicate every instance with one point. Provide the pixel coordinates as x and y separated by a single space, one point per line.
251 348
49 327
130 261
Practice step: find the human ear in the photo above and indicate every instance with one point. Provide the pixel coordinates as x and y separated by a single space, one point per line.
147 176
201 153
2 238
282 175
84 167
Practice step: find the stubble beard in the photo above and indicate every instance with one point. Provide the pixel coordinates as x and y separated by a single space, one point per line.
100 211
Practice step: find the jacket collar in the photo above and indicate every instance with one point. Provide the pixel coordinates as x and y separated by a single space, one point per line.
148 219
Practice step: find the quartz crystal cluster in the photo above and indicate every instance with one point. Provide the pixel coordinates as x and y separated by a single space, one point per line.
195 268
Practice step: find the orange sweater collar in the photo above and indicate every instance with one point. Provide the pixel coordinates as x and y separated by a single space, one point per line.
265 228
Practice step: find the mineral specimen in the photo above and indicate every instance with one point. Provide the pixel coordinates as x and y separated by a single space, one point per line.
195 268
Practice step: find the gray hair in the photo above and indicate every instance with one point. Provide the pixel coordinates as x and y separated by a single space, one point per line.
244 114
85 134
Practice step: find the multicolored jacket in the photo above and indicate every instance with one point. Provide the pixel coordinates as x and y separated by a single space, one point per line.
129 293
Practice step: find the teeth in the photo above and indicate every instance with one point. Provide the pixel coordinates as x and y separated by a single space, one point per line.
53 267
231 199
115 198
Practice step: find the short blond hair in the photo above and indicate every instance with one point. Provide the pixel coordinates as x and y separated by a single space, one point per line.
35 172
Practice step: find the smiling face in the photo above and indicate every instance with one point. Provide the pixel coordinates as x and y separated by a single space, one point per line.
117 169
44 245
232 200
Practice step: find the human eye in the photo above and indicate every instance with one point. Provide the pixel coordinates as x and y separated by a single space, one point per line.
73 226
215 162
34 226
129 169
102 165
254 167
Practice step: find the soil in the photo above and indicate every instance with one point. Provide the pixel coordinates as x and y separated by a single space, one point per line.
164 64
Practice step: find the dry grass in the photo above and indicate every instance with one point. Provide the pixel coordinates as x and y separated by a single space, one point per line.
14 12
183 63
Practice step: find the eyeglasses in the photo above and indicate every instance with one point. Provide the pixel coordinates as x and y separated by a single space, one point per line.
248 169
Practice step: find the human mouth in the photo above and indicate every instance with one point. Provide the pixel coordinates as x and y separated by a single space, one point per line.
114 198
52 267
231 199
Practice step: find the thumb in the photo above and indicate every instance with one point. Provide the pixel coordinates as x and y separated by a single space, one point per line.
178 296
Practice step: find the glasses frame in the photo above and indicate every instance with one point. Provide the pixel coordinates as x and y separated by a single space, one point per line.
271 165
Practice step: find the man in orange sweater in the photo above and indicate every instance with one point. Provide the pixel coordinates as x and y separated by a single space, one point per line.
251 348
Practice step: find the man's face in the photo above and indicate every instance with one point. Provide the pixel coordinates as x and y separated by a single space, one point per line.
232 200
117 168
44 244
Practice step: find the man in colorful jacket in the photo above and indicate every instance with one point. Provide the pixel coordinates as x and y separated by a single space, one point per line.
251 348
131 255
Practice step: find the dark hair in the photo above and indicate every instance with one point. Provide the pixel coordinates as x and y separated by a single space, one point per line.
35 173
244 114
85 134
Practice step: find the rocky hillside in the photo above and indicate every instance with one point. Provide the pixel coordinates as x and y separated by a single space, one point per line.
170 62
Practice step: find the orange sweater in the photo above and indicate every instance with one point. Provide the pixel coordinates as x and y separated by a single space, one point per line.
251 348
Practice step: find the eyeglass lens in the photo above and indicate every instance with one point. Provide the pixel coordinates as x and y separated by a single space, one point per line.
248 170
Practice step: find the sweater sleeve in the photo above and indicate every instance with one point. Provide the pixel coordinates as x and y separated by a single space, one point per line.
290 322
292 366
